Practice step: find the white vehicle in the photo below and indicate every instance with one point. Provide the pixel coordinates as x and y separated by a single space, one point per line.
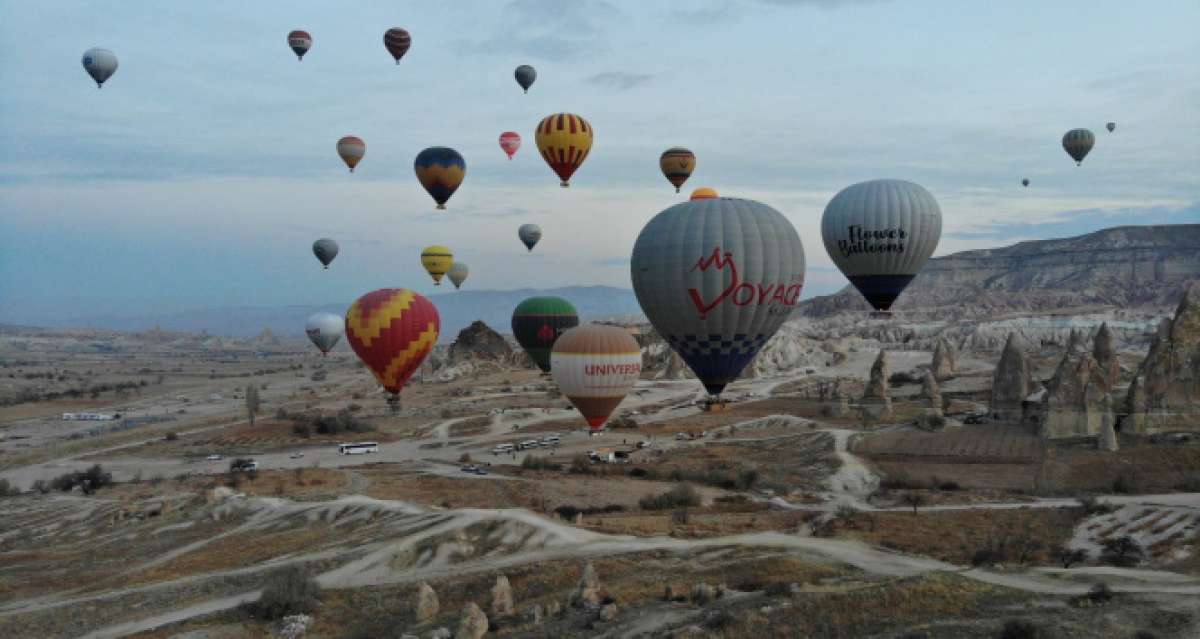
214 457
296 455
680 436
359 448
551 440
252 465
529 443
502 448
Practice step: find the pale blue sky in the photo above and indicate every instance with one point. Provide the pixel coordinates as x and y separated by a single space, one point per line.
201 173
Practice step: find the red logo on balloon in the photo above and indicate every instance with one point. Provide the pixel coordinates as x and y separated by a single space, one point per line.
738 292
545 333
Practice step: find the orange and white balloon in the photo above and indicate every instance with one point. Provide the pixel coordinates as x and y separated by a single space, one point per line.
351 149
596 366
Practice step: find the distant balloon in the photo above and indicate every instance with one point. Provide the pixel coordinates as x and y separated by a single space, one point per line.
525 75
440 170
458 274
677 164
704 193
530 234
717 278
1025 182
325 329
100 64
392 330
352 149
1111 126
397 41
325 249
510 141
596 366
536 324
1077 143
564 141
437 260
879 233
300 42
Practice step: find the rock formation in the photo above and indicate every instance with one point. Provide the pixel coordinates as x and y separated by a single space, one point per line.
1104 351
588 590
931 391
478 342
1108 427
427 603
502 597
943 364
1165 393
676 368
473 623
1011 382
1073 405
877 401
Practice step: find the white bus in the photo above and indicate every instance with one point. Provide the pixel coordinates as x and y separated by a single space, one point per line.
360 448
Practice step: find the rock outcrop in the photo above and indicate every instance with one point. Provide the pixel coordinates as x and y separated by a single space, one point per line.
427 606
1165 393
943 364
588 590
478 342
931 391
1104 351
1073 405
877 401
1012 382
473 623
502 597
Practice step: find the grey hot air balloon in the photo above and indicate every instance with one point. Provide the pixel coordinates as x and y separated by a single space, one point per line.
100 64
458 273
1025 182
717 277
325 249
325 329
525 76
530 234
1077 143
1111 126
879 233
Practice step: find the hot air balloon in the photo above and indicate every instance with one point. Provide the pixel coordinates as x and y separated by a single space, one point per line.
677 164
1025 182
300 42
352 149
100 64
525 76
510 141
458 274
530 234
717 278
397 41
564 141
1077 143
440 170
538 322
392 330
596 366
325 329
437 260
704 193
1111 126
325 249
879 233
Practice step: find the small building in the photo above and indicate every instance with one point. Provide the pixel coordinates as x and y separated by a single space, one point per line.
89 417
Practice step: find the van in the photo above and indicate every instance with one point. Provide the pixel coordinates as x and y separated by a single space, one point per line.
551 440
502 448
528 443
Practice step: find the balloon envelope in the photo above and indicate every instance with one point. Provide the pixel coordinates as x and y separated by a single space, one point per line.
538 322
397 41
437 260
704 193
1111 126
530 234
392 330
879 234
100 64
596 366
1025 182
440 170
458 274
717 278
325 329
351 149
564 141
525 76
510 141
1077 143
677 164
300 42
325 249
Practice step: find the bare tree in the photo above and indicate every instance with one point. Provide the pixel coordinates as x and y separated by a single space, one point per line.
1068 556
916 500
252 402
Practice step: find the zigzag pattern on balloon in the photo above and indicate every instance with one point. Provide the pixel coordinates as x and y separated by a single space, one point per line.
412 356
365 322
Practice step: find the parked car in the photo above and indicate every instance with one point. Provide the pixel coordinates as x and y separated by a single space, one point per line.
481 471
296 455
551 440
469 468
528 443
214 457
502 448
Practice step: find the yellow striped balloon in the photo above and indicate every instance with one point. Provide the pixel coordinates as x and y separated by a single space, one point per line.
677 164
564 140
437 259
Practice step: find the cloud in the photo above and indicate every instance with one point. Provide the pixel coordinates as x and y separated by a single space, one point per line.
536 28
1081 222
611 262
822 4
715 13
619 80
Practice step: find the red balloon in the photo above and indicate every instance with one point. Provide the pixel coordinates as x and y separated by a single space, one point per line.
392 330
397 42
510 141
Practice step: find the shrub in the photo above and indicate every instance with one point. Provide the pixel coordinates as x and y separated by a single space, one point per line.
172 436
41 487
1093 506
680 516
464 458
1122 551
301 429
682 495
1067 556
533 462
89 481
291 591
747 479
1020 629
916 500
988 557
567 512
581 465
7 490
899 481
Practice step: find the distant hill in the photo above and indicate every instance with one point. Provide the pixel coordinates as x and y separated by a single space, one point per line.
457 309
1122 267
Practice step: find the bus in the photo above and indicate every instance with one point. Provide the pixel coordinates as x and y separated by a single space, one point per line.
359 448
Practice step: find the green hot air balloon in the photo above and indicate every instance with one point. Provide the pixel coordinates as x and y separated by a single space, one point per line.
1077 143
538 321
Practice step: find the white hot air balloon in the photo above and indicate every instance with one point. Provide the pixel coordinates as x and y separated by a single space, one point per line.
596 366
100 64
458 274
880 233
717 277
325 329
530 235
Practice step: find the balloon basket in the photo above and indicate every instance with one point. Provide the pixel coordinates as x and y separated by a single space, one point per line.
715 405
564 184
394 403
881 315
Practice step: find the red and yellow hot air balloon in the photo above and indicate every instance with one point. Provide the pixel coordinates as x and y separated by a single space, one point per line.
596 366
564 140
510 141
392 330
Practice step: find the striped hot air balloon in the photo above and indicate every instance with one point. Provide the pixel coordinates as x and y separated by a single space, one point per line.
392 330
596 366
437 260
510 141
704 193
440 170
397 41
538 322
300 42
677 164
1077 143
530 235
351 149
564 140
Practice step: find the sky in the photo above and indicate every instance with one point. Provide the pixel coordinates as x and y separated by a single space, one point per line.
200 174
